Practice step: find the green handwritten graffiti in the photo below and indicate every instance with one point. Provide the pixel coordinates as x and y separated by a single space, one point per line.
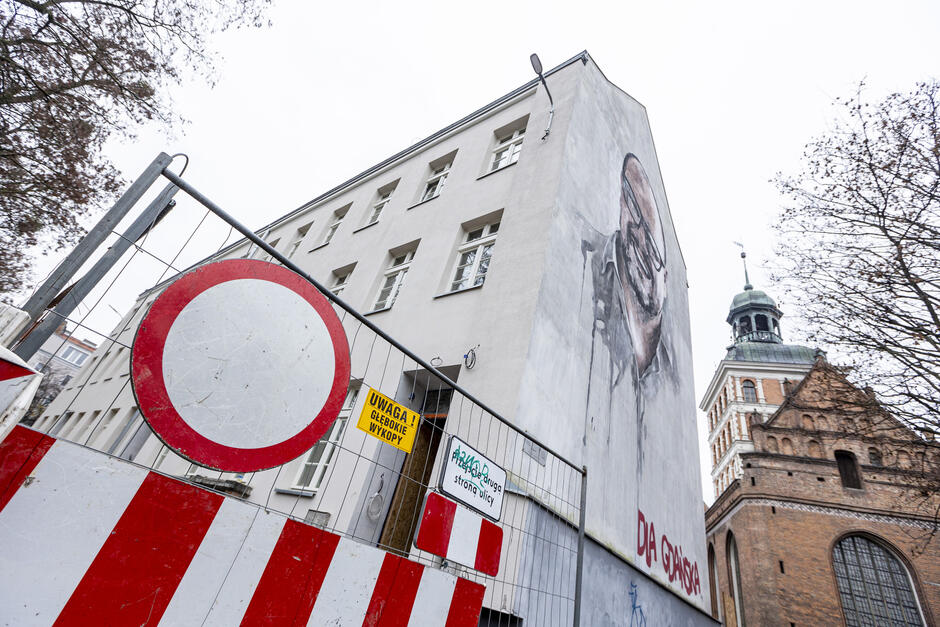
480 471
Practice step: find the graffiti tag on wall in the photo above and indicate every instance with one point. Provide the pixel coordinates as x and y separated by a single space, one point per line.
675 565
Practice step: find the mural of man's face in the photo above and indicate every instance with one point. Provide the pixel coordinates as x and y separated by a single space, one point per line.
643 243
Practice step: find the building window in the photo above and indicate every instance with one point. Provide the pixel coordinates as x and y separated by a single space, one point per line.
760 320
874 457
814 448
379 205
848 469
734 577
394 280
807 422
298 240
339 282
313 470
337 219
786 446
508 147
749 390
273 244
432 189
874 586
74 356
473 257
713 582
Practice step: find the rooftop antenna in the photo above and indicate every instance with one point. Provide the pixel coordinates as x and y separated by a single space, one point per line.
537 66
747 281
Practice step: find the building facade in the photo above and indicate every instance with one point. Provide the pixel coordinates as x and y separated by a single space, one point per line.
59 359
551 257
828 518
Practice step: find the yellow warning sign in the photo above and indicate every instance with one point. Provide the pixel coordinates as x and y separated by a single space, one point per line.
388 421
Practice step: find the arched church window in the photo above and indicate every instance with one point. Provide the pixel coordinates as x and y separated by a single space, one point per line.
821 423
772 444
749 390
786 446
874 457
848 469
776 325
875 588
744 324
807 422
713 581
760 321
734 577
814 449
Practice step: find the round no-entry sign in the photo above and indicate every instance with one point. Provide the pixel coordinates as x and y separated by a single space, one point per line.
240 365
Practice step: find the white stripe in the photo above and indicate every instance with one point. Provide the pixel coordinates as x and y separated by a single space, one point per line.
242 578
348 586
464 537
432 603
206 573
52 529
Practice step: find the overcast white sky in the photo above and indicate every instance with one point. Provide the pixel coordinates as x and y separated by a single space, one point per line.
733 90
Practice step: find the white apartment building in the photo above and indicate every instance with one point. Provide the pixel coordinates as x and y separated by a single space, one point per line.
59 359
751 381
550 257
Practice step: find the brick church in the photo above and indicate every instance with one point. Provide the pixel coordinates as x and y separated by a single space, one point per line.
823 513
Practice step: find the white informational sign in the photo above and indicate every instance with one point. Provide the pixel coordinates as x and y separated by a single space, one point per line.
473 479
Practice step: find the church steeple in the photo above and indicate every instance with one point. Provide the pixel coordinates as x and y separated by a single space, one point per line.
754 316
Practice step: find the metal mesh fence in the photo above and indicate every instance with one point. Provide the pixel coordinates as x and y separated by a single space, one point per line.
350 482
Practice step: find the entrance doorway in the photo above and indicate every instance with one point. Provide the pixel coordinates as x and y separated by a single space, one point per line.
404 513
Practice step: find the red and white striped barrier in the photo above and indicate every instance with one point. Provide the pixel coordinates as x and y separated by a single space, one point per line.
91 539
460 535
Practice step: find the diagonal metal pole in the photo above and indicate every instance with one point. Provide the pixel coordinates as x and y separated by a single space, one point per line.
60 277
41 332
579 572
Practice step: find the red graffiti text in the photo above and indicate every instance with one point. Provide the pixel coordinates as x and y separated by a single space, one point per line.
676 566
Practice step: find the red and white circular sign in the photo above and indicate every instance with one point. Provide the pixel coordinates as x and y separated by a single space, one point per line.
240 365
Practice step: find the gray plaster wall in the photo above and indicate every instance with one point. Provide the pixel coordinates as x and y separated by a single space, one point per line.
619 400
616 594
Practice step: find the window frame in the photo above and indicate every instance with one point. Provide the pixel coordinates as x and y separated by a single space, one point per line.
847 464
485 241
508 144
864 545
79 360
331 441
375 211
268 256
745 388
335 220
435 182
395 271
299 236
340 282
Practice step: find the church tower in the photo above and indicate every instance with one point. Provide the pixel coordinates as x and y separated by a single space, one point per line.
756 373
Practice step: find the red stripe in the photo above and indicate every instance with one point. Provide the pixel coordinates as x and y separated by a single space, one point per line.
465 604
292 578
136 572
394 595
20 451
489 547
436 524
12 371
